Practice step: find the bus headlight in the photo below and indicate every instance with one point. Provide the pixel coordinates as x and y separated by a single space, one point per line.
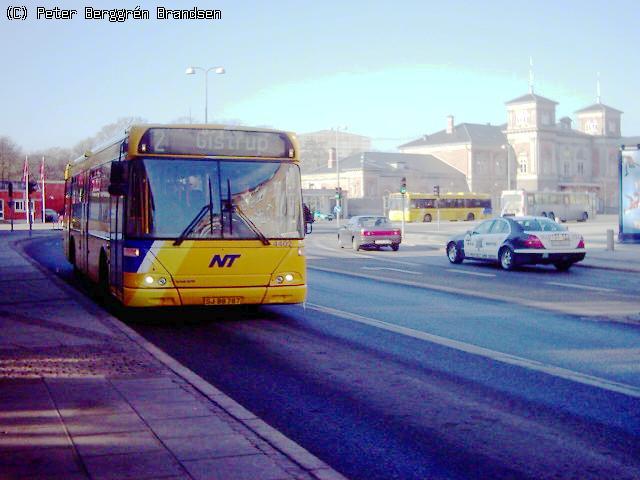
285 278
149 280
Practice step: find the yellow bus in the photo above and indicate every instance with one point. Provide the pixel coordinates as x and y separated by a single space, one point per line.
172 215
426 207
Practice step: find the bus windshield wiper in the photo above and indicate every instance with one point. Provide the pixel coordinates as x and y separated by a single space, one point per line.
252 226
199 216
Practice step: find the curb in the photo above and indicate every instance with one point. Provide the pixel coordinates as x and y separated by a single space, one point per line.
294 452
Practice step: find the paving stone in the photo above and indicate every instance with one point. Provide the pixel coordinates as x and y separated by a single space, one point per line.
175 394
189 427
93 425
36 461
139 466
16 442
210 446
149 410
116 443
153 383
250 467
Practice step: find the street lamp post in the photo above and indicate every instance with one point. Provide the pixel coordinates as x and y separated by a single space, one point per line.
192 71
339 200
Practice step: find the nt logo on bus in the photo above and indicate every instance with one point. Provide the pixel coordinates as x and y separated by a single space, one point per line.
223 261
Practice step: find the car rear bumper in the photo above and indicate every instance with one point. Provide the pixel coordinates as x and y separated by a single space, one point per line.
527 257
379 241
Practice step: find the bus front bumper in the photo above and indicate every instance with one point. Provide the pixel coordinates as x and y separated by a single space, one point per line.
159 297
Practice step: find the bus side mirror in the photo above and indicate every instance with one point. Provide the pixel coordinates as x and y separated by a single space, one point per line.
118 183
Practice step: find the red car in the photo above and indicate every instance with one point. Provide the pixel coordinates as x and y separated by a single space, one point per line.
369 231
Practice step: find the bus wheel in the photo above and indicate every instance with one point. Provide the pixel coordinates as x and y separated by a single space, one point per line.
427 218
72 256
471 217
584 217
102 290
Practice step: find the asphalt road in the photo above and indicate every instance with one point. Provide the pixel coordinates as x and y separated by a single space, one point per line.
436 374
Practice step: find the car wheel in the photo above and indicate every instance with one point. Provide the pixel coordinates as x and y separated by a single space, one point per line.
395 247
454 254
427 218
506 258
563 266
354 244
471 217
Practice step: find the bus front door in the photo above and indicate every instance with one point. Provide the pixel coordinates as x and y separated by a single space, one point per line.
115 244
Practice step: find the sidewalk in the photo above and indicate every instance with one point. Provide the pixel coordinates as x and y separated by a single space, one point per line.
82 396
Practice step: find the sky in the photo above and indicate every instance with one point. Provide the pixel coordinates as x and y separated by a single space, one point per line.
389 70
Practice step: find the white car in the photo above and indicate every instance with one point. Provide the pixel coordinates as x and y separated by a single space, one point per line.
513 241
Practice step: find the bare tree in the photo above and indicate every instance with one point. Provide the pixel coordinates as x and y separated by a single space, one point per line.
11 157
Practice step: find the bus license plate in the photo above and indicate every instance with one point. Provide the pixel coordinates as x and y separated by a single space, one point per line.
222 300
383 242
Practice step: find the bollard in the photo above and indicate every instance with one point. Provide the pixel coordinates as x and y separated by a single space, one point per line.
610 240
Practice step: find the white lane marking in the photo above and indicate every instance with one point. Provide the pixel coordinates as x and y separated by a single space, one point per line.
470 273
392 269
582 287
509 359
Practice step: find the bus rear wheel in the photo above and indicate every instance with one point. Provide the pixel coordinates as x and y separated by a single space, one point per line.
427 218
102 288
584 217
471 217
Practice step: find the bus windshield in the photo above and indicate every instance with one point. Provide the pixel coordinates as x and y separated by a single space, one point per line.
214 199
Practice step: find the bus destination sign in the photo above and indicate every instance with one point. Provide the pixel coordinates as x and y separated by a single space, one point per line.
200 141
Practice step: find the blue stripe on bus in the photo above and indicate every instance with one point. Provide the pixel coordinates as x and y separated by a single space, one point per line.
132 264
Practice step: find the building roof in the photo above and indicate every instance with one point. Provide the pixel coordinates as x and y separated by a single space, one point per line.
598 107
390 162
333 132
475 133
530 97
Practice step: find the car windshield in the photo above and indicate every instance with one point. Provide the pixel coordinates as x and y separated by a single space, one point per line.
213 199
540 225
375 222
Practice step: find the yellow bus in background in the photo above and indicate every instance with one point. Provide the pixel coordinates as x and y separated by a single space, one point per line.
171 215
426 207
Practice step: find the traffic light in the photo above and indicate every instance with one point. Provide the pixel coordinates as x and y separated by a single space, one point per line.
337 193
436 190
403 185
33 186
10 189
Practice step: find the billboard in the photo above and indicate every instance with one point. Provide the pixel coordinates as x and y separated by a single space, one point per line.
629 170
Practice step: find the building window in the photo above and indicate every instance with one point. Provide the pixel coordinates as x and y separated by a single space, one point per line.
567 168
18 205
523 162
580 168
